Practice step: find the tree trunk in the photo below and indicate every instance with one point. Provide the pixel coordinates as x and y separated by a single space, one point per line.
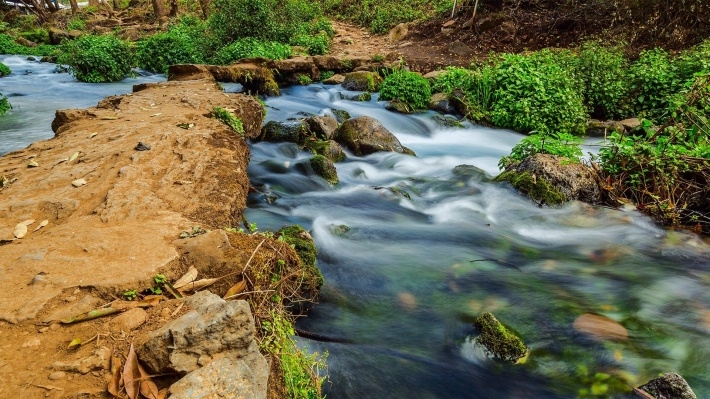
51 6
94 3
74 7
173 8
205 6
158 9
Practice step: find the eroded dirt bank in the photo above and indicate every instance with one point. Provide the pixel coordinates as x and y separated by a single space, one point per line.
114 213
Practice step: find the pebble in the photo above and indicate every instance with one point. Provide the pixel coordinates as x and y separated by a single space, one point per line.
57 375
43 330
31 343
78 183
55 326
70 298
129 320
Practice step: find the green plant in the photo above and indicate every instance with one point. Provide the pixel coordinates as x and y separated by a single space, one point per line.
317 44
560 144
181 44
653 78
325 75
227 117
603 73
533 93
4 70
378 58
8 46
408 87
97 59
77 23
251 48
37 35
130 295
304 80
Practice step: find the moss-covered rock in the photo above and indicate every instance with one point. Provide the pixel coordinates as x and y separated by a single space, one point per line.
341 115
362 81
670 385
4 70
305 248
366 96
498 340
534 187
328 148
275 131
365 135
324 168
322 127
399 106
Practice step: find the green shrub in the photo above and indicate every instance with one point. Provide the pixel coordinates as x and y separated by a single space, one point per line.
533 93
97 59
37 35
180 44
562 144
325 75
381 16
694 61
251 48
8 46
408 87
4 70
653 78
316 44
4 104
454 78
78 23
603 73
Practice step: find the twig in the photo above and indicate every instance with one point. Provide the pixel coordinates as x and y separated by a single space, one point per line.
497 261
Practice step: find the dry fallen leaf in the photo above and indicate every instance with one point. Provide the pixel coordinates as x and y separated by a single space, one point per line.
236 289
114 386
32 164
131 375
92 135
42 224
148 387
73 157
27 222
75 343
109 118
199 284
188 277
20 230
642 394
163 393
155 114
94 314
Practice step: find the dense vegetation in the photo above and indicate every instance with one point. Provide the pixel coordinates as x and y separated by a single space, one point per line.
97 59
381 16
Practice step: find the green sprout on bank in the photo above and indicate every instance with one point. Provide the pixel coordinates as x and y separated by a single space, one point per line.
227 117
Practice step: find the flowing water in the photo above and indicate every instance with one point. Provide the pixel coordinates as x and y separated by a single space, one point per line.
413 249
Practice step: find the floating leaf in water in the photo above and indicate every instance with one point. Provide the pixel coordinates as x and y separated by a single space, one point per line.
600 327
42 224
131 374
78 183
32 164
188 277
236 289
73 157
92 135
75 343
199 284
20 230
94 314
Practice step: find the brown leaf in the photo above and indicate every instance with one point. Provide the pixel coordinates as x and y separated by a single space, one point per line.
132 375
163 393
189 277
114 386
642 394
148 387
28 222
42 224
236 289
199 284
172 290
94 314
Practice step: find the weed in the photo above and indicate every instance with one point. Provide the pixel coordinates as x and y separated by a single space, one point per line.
378 58
227 117
130 295
180 44
408 87
304 80
560 144
325 75
4 70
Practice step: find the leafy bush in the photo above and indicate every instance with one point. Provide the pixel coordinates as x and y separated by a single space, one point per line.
408 87
653 78
4 70
37 35
381 16
4 104
316 44
603 74
694 61
180 44
78 23
562 144
250 48
8 46
535 94
97 59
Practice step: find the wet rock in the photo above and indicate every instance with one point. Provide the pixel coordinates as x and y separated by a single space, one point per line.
224 378
129 320
447 121
365 135
470 172
25 42
334 80
212 330
366 96
631 123
595 128
669 385
99 360
398 33
399 106
362 81
498 340
306 250
550 181
341 115
440 103
324 168
323 127
275 131
600 327
328 148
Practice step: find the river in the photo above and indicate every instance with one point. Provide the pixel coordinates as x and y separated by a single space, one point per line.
413 251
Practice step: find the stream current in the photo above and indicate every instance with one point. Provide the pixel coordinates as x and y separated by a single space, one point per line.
412 250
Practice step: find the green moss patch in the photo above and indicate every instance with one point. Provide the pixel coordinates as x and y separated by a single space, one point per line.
499 341
4 70
536 188
324 168
302 242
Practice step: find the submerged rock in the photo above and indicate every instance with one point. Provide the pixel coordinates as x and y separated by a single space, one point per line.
321 166
341 115
550 180
365 135
328 148
669 385
499 341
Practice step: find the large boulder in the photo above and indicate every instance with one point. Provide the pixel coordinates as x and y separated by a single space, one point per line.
323 127
328 148
596 128
365 135
321 166
213 329
362 81
552 180
670 385
398 33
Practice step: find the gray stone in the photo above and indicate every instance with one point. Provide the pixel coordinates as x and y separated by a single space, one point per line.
398 33
365 135
362 81
275 131
440 102
669 385
334 80
224 378
631 123
433 75
99 360
323 127
212 330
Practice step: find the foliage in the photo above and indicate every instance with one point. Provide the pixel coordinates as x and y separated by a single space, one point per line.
251 48
37 35
304 80
380 15
4 104
325 75
8 46
180 44
602 71
77 23
533 93
560 144
97 59
535 187
316 44
408 87
666 169
653 78
227 117
4 70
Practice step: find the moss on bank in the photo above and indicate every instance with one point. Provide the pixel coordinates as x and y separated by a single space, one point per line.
4 70
536 188
502 343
